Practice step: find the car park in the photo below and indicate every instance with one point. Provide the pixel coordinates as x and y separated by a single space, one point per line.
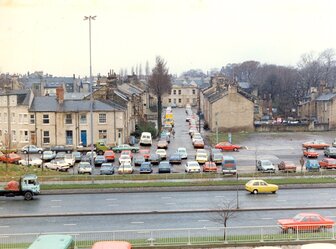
31 149
287 166
146 168
154 158
106 169
328 163
183 152
109 155
70 159
57 164
10 158
175 158
31 162
122 147
85 168
310 222
48 155
316 144
138 160
310 153
125 159
192 167
227 146
162 153
125 168
162 144
77 155
260 186
330 152
164 167
265 166
209 167
99 160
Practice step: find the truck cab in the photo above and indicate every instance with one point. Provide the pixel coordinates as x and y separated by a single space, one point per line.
30 183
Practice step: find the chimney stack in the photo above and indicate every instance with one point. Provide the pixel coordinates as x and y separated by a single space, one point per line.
60 94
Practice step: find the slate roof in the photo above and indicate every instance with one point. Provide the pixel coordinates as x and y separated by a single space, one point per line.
50 104
22 96
326 97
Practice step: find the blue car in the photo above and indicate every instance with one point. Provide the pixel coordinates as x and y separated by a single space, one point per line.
312 165
146 168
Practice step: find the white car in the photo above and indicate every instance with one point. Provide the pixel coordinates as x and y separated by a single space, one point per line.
70 159
84 167
125 168
196 137
162 153
31 162
88 154
125 159
183 152
59 165
192 166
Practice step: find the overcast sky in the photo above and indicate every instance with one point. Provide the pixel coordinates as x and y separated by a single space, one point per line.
51 35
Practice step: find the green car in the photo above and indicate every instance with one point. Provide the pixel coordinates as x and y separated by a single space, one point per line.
330 152
122 147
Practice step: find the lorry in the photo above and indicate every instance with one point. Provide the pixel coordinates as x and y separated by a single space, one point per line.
28 186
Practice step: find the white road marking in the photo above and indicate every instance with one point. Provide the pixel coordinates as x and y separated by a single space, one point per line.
4 226
113 205
137 222
166 197
171 203
203 220
219 196
4 236
70 224
56 200
111 199
281 200
266 218
56 206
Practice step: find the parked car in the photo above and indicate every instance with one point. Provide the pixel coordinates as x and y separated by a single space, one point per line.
226 146
57 164
214 151
162 153
217 158
31 162
125 159
154 158
94 154
127 152
99 160
138 160
85 168
316 144
70 159
60 155
107 169
48 155
162 144
165 136
31 149
145 153
229 165
310 222
164 167
198 143
61 148
209 167
77 155
328 163
260 186
122 147
287 166
201 158
330 152
265 166
109 155
175 158
183 152
146 168
10 158
312 165
310 153
125 168
192 167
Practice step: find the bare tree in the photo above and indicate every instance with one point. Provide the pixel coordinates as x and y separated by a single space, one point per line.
225 211
159 83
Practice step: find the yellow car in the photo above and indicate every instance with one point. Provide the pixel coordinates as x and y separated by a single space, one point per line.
201 158
260 186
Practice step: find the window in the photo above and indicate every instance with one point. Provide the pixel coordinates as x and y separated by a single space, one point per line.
20 118
82 118
24 136
194 91
180 100
102 118
174 91
179 91
46 137
102 134
174 101
68 118
169 100
5 117
32 119
25 118
13 135
45 119
13 117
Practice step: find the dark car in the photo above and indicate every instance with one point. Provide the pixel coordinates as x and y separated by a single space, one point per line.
154 158
175 158
107 169
138 160
164 167
99 160
146 168
61 148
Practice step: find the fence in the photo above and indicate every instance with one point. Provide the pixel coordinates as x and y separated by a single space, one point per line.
185 236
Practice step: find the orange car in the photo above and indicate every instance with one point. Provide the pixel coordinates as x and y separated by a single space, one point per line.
306 222
328 163
10 158
109 155
199 143
145 153
316 144
310 153
227 146
209 167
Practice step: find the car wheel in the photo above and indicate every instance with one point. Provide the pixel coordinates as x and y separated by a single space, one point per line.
255 191
235 149
273 192
24 152
28 196
40 151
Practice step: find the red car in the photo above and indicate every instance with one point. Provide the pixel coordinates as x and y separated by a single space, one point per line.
209 167
305 222
10 158
145 153
316 144
328 163
127 152
310 153
109 155
227 146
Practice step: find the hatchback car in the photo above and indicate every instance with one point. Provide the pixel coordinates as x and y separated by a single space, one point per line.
265 166
164 167
154 158
125 159
146 168
260 186
109 155
107 169
84 168
48 155
201 158
310 153
328 163
162 144
162 153
330 152
99 160
175 158
312 165
31 149
287 166
198 143
138 160
192 167
209 167
125 168
183 152
217 158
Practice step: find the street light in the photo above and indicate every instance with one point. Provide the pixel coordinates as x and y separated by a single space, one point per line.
91 91
216 114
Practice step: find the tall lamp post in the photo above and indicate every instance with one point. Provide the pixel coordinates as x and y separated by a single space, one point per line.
91 90
216 117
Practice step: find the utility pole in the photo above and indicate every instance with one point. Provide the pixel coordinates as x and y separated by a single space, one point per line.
199 109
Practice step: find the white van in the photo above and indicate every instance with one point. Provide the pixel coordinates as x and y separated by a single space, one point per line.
146 138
